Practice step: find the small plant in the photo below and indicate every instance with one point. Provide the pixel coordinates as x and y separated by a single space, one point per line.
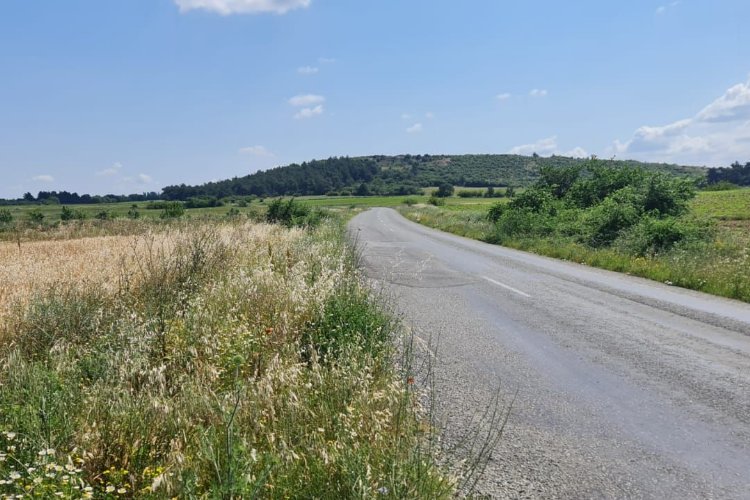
6 217
133 212
233 213
103 215
172 210
435 201
410 202
36 216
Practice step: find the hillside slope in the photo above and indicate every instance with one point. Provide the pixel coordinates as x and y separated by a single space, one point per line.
392 175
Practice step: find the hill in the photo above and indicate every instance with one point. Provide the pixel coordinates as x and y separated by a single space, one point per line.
394 175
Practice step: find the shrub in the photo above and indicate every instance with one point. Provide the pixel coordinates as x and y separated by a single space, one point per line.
657 235
133 213
438 202
410 202
173 210
444 190
604 222
291 213
36 216
6 217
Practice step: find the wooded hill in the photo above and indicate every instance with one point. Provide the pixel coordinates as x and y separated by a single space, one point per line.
395 175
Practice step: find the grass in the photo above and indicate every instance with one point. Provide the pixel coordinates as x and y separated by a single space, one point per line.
720 265
202 359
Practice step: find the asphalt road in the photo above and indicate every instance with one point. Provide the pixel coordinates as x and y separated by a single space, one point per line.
626 388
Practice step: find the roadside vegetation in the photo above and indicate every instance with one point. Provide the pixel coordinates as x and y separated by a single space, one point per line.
630 220
226 358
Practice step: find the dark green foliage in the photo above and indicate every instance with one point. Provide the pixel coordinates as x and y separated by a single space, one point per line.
736 174
133 212
510 192
471 194
444 190
292 213
203 202
401 175
654 235
598 205
103 215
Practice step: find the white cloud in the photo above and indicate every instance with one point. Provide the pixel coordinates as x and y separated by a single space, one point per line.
260 151
306 100
429 115
538 93
326 60
43 178
576 152
405 116
718 134
307 70
414 129
111 171
144 179
547 147
305 113
540 147
503 97
227 7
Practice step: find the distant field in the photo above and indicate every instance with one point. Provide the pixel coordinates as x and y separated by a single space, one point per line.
723 205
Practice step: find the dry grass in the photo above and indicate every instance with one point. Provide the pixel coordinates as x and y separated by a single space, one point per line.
232 360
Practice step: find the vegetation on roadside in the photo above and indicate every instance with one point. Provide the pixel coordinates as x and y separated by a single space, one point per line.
169 358
629 220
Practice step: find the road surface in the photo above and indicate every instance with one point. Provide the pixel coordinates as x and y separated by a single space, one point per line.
626 388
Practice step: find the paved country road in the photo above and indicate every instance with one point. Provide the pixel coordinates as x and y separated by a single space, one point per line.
626 388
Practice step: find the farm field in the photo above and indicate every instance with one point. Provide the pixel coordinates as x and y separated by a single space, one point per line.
186 358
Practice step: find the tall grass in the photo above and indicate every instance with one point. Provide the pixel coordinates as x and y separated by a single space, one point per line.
233 361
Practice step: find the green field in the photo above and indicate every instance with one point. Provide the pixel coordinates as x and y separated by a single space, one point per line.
733 205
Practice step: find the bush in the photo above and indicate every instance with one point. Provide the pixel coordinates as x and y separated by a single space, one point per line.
292 213
6 217
410 202
444 190
173 210
36 216
604 222
654 235
438 202
471 194
133 213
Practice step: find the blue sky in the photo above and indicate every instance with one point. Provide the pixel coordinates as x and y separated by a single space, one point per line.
128 96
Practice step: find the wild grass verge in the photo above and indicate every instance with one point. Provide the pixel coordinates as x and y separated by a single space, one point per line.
719 265
232 360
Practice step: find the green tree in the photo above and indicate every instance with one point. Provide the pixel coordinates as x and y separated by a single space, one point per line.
173 210
444 190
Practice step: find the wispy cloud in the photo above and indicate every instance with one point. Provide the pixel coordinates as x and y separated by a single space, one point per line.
414 129
228 7
326 60
306 100
305 113
538 93
311 104
143 179
111 171
43 178
662 9
548 146
540 147
429 115
503 97
718 134
307 70
259 151
405 116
